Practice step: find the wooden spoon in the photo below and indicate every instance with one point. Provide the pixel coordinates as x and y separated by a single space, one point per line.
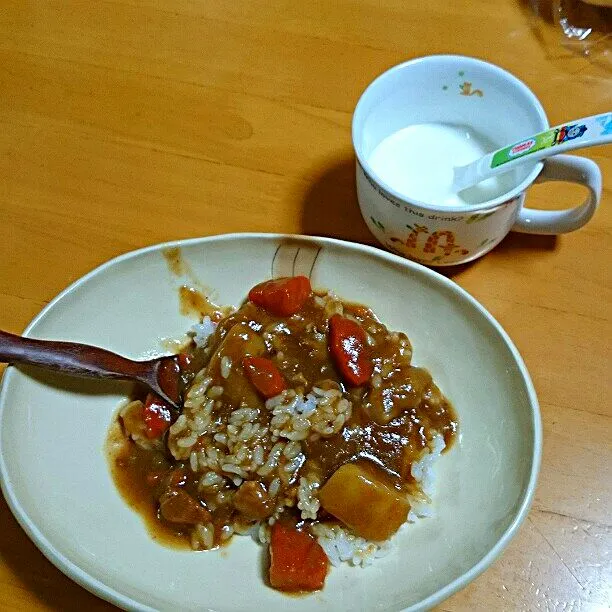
83 360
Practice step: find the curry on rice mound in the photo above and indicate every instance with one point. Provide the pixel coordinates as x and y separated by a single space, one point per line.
304 423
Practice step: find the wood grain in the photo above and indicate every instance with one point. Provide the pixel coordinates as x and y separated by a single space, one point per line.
128 122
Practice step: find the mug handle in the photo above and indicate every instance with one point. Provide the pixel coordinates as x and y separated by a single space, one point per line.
569 168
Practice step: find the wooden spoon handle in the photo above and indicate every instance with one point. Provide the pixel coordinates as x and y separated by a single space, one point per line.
69 357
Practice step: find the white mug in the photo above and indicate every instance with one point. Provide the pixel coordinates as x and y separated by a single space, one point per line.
453 89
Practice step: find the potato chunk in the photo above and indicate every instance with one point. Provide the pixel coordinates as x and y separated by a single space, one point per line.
362 501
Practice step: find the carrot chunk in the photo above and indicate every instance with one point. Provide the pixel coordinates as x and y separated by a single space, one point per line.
264 376
157 416
297 561
348 348
282 297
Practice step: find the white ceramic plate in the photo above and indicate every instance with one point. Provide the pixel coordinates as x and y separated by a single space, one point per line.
52 431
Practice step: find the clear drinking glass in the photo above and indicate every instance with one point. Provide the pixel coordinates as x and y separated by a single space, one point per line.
581 27
586 24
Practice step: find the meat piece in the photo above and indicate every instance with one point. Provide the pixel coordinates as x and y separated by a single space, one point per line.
177 506
401 390
252 501
357 496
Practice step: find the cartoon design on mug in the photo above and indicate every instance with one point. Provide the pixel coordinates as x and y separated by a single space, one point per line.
465 89
378 224
440 240
433 242
568 132
606 124
411 240
482 216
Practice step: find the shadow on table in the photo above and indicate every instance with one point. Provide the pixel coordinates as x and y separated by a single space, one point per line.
37 575
330 205
457 270
515 243
512 244
330 208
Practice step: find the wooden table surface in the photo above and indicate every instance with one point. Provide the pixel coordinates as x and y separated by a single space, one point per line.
124 123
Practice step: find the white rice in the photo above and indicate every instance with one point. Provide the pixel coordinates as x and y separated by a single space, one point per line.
308 501
215 392
321 412
274 487
422 470
200 332
202 536
306 405
226 366
341 546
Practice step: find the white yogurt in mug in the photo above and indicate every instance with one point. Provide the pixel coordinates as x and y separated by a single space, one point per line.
418 160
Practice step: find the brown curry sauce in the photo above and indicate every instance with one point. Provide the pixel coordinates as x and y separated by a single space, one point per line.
389 427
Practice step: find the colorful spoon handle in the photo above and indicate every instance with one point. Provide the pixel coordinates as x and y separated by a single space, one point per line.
587 132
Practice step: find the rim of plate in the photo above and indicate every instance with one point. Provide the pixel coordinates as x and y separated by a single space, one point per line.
108 593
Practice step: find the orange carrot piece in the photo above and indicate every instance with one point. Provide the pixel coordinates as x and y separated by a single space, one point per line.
348 347
297 561
282 296
157 416
264 376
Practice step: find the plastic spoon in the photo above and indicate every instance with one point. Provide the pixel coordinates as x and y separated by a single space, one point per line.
587 132
83 360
